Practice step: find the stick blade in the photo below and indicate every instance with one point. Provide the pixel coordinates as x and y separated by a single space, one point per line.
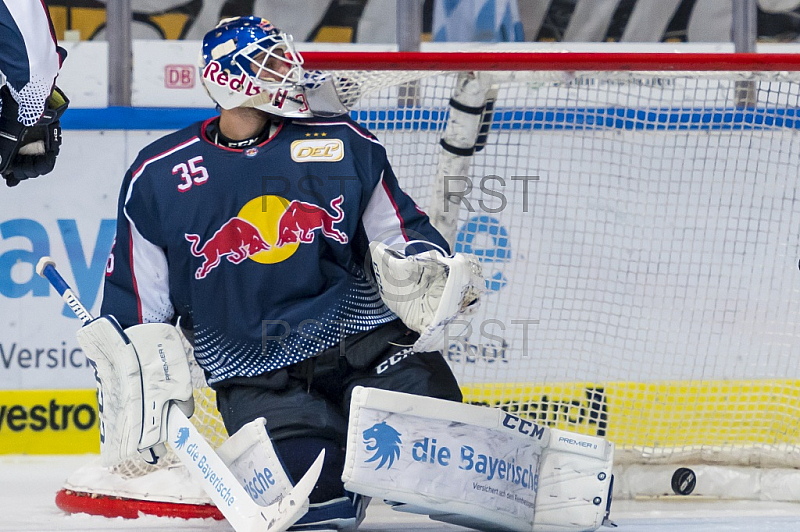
280 515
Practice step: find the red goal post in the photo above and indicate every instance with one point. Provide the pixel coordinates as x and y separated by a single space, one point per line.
553 61
636 215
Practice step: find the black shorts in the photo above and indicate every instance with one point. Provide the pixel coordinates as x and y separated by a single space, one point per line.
312 398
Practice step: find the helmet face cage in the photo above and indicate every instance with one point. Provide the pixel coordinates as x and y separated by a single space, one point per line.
247 62
260 58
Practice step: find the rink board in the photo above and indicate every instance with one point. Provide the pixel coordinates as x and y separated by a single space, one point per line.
675 414
590 314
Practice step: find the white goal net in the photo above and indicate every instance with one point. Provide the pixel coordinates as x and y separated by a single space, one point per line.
640 235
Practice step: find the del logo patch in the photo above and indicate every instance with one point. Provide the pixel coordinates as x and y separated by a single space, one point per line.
317 150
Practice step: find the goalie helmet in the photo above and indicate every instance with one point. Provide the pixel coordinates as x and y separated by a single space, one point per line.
248 62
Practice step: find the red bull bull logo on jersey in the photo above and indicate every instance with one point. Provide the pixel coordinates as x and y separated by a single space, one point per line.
268 230
236 240
301 219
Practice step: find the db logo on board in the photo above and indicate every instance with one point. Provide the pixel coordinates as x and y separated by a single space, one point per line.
179 76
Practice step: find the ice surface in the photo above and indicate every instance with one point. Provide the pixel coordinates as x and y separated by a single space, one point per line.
28 485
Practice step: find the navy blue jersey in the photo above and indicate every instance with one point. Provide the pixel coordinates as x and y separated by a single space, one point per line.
29 62
260 251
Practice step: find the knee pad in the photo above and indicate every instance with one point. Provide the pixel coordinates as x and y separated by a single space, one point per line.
297 455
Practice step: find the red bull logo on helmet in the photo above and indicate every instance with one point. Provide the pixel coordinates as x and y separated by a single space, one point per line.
214 72
242 84
268 230
266 25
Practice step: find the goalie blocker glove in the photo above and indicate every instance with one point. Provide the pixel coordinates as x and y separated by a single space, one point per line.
28 152
139 372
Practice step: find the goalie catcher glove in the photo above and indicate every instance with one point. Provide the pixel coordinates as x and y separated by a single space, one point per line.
431 292
28 152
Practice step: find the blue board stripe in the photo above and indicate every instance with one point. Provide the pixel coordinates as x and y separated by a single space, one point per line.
423 119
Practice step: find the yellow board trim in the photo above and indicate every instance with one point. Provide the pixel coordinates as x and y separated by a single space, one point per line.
665 414
87 20
49 422
661 415
334 34
172 24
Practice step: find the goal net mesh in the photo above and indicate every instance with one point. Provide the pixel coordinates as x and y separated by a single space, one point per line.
639 234
639 237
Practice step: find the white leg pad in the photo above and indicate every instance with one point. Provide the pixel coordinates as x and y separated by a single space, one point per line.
475 466
250 456
574 477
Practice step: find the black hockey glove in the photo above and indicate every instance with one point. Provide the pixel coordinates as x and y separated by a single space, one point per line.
27 152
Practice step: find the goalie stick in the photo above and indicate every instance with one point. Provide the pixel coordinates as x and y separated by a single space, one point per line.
203 463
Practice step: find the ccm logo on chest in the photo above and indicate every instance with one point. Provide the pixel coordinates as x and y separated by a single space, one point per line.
317 150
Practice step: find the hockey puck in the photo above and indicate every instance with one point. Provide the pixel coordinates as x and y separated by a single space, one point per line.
683 481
